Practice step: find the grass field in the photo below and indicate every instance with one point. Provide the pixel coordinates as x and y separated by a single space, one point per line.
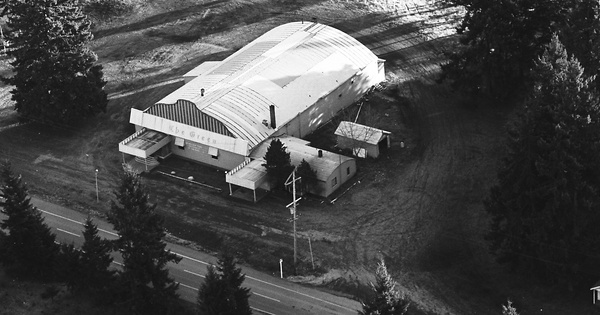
419 207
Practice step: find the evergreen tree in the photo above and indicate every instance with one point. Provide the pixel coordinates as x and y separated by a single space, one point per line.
145 280
544 205
29 246
501 40
69 270
211 295
309 177
387 300
95 274
508 309
278 162
582 37
222 292
55 76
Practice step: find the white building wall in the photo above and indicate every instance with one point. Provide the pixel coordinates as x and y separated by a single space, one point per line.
199 152
328 106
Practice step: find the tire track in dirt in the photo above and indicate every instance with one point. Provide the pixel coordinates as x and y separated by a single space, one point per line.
415 217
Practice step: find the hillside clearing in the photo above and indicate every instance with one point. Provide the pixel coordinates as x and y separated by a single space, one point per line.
420 207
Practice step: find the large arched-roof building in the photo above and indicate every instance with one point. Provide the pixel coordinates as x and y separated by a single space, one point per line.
290 81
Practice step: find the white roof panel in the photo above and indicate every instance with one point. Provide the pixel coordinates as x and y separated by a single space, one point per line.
360 132
290 66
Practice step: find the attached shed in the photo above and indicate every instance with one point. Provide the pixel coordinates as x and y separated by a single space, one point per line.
362 140
332 169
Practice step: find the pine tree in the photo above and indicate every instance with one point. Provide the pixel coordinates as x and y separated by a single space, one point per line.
508 309
69 269
95 276
582 37
387 300
222 292
278 162
501 40
145 279
29 246
211 295
309 177
55 76
544 205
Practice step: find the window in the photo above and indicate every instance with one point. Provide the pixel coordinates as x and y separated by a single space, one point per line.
213 152
180 143
348 171
334 182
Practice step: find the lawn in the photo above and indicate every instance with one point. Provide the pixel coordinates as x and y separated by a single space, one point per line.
419 207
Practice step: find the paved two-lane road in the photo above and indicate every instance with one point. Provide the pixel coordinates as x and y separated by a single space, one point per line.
269 295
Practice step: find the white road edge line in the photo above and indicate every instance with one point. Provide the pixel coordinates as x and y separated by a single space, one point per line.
187 286
266 297
300 293
202 262
195 274
71 220
262 311
59 229
190 258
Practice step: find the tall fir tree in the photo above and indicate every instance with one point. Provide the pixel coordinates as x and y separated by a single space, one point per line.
309 177
500 41
277 162
95 275
211 294
544 205
222 292
29 247
55 76
582 37
69 269
509 309
145 279
387 299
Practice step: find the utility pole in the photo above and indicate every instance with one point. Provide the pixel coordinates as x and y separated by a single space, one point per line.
293 209
97 196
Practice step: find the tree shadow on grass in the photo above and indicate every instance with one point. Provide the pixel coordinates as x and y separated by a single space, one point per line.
204 19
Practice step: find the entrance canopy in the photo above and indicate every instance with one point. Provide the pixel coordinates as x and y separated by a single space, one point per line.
250 175
144 142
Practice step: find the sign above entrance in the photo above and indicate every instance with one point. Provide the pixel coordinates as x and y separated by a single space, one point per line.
189 133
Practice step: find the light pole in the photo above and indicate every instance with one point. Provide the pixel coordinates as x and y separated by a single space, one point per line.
97 196
281 267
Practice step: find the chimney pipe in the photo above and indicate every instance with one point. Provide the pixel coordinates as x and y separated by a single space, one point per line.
320 152
272 110
202 92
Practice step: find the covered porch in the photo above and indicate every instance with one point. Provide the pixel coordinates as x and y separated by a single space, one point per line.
144 145
248 180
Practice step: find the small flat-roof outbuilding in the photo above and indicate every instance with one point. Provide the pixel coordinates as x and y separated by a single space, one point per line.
360 138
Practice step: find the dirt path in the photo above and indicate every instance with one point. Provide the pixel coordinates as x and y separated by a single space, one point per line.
425 217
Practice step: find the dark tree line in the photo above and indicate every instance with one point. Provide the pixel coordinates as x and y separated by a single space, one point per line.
545 204
55 77
544 54
143 285
500 41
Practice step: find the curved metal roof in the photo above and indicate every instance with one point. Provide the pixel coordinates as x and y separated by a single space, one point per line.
290 66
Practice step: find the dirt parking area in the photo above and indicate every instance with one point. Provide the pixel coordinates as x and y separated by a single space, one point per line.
419 207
